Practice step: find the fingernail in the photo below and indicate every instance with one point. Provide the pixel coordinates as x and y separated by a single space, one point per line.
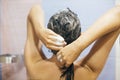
60 38
58 43
65 43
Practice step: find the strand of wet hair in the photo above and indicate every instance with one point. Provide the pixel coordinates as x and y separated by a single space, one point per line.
68 73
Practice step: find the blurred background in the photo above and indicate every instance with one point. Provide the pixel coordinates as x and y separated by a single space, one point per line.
13 15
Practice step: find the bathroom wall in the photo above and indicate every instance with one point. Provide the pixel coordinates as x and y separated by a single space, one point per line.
13 15
117 51
117 47
117 2
13 35
0 41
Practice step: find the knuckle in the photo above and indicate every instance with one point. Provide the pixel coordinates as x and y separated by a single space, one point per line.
47 46
64 58
68 62
47 41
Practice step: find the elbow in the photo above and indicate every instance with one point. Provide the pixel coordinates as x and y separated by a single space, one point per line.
35 10
117 11
115 16
29 14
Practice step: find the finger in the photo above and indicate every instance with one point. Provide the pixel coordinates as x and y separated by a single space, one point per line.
60 38
59 57
57 43
52 32
52 37
67 65
62 63
56 38
60 43
61 60
54 47
58 53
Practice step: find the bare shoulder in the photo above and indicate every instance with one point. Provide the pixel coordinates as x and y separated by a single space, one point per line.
83 73
43 70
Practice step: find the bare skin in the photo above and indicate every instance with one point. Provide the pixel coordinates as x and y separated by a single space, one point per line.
104 31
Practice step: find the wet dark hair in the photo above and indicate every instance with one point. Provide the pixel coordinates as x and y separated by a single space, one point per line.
66 23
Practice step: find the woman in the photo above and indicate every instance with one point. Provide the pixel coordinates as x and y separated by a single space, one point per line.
104 31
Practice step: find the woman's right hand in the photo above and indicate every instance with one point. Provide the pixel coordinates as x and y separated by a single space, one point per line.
51 40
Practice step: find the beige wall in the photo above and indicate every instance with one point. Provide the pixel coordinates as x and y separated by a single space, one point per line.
117 44
117 52
117 2
13 34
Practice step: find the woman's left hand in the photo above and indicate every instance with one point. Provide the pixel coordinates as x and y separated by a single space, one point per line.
67 55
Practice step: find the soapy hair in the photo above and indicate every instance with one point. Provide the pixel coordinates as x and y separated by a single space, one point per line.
67 24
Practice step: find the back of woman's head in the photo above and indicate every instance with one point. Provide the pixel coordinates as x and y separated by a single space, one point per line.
65 23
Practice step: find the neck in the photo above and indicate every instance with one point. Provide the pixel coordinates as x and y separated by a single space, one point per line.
67 73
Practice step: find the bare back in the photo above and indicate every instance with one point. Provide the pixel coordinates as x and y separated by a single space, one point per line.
49 70
39 68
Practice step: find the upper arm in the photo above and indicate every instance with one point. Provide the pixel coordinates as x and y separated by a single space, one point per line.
33 45
97 57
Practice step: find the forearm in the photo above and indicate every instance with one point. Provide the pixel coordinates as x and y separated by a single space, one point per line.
105 24
46 36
